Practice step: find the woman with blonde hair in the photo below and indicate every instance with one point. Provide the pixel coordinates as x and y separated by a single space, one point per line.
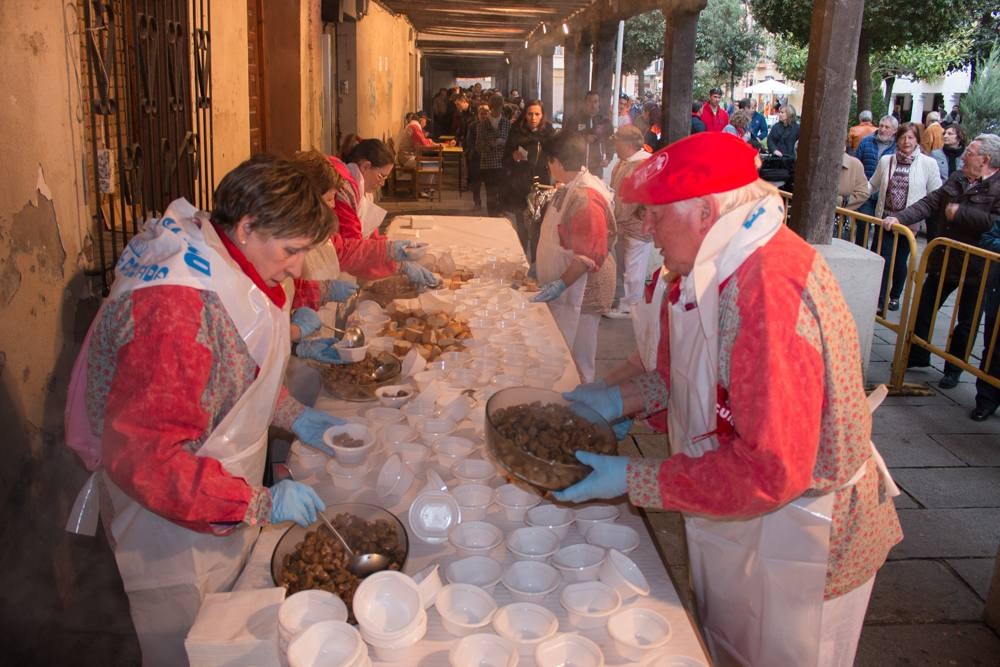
785 133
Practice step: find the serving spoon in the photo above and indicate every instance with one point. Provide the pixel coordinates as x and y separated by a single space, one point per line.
360 565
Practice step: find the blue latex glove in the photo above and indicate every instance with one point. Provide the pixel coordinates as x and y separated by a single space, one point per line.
621 428
341 290
406 251
418 275
609 479
320 349
294 501
606 401
551 291
311 425
307 320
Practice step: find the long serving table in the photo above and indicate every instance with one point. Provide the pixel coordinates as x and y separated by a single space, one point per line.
498 235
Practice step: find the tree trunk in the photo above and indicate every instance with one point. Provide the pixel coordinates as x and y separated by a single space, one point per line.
640 95
863 73
889 81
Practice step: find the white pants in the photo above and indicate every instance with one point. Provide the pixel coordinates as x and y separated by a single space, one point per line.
840 627
635 254
584 346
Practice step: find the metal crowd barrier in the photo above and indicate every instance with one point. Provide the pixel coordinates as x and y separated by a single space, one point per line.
971 261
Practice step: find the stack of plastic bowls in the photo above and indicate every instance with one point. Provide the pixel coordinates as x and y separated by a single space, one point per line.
328 643
390 613
304 609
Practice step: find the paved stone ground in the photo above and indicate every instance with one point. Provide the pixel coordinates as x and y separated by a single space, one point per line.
927 605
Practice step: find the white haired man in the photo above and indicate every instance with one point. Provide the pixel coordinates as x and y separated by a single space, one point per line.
788 506
932 137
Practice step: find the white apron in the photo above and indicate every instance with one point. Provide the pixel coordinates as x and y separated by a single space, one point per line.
552 260
646 322
152 552
773 565
370 214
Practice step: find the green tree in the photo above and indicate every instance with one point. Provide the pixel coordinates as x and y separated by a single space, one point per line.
885 24
980 107
643 42
727 42
790 58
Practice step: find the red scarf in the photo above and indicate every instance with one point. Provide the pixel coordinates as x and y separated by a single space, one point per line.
276 294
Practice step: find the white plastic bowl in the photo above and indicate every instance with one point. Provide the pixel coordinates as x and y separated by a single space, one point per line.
384 399
638 632
474 499
674 661
569 650
350 354
505 380
306 608
525 624
380 417
481 571
432 515
463 378
458 408
429 583
393 433
434 429
579 562
559 519
475 538
351 455
532 543
394 479
464 608
327 643
387 603
483 650
417 412
589 604
530 580
348 478
622 574
424 378
451 448
414 454
591 515
515 501
542 377
613 536
389 650
474 471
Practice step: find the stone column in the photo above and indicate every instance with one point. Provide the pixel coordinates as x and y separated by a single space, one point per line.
531 82
833 48
546 81
605 42
681 24
573 53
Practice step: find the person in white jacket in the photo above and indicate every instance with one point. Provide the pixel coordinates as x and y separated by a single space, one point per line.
633 245
901 179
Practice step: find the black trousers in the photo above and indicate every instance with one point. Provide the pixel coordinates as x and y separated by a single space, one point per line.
964 324
493 180
898 278
475 180
986 392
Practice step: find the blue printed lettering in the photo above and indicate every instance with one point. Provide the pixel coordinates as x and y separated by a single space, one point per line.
753 218
194 259
171 224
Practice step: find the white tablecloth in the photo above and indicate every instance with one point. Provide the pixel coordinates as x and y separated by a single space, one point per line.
433 649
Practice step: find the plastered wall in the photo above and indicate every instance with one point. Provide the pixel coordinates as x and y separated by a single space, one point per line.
230 86
385 84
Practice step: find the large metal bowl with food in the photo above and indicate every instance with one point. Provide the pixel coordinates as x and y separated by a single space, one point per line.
358 381
307 558
533 435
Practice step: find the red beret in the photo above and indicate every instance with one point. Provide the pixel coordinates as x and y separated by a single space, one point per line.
702 164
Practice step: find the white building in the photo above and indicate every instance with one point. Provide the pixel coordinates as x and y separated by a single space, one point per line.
916 97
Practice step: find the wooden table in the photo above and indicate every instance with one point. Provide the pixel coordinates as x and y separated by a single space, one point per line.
456 154
483 234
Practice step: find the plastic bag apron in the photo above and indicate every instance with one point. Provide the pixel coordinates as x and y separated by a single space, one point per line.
646 322
551 261
152 552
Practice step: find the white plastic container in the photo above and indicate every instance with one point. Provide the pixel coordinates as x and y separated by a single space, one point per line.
474 499
450 449
579 562
305 461
387 604
613 536
432 514
638 632
475 538
436 429
464 608
387 395
304 609
483 650
328 643
394 479
515 501
591 515
559 519
396 433
351 455
394 649
622 574
481 571
380 417
474 471
429 584
530 580
589 604
348 478
525 624
414 455
569 650
532 543
350 354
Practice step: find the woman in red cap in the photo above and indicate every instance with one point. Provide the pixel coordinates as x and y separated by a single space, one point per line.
788 507
573 260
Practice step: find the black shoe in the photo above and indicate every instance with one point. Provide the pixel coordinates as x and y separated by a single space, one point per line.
893 304
982 411
949 381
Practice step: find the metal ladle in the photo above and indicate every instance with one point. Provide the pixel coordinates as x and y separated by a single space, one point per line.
353 336
361 564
